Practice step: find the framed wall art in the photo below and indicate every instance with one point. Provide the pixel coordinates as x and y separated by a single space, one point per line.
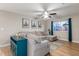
39 24
34 24
25 23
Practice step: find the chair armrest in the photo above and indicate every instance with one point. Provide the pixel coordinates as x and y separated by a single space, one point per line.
42 44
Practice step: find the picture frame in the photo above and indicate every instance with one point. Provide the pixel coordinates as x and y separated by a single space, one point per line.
39 24
34 24
25 23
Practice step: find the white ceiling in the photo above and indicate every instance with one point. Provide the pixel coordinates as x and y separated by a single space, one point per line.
33 9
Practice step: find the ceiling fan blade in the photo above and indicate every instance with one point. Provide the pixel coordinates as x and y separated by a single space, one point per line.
36 11
52 14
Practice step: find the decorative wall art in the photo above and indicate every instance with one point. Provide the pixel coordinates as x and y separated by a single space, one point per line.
31 24
34 24
25 23
39 24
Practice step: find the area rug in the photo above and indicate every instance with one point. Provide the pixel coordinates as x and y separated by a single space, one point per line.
55 45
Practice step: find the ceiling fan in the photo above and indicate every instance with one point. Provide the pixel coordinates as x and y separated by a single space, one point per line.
45 15
47 12
48 15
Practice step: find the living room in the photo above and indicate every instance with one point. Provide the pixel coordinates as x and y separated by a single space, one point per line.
35 22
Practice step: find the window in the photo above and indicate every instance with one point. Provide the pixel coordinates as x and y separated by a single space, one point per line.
60 26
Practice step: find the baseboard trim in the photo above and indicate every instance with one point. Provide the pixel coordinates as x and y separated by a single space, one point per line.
5 45
72 41
76 41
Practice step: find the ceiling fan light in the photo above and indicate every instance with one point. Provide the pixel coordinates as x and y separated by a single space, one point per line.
45 14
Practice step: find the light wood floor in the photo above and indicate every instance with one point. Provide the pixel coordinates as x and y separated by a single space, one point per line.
5 51
66 49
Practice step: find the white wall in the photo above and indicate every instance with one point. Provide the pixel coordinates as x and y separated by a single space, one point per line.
75 28
10 23
62 35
